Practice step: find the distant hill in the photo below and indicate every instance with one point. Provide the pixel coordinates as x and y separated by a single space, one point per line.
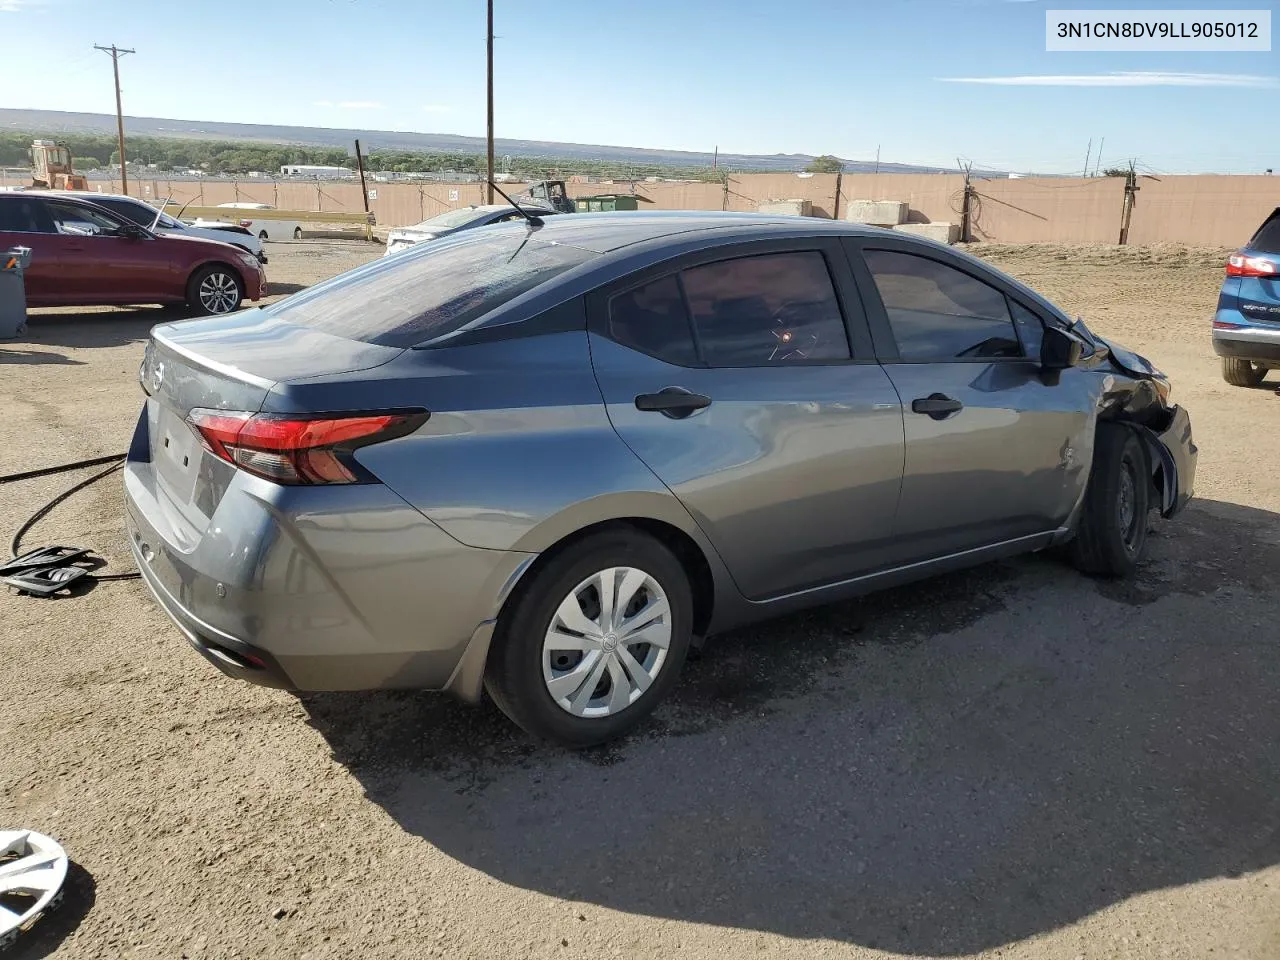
57 121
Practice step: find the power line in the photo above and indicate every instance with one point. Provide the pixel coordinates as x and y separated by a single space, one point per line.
116 54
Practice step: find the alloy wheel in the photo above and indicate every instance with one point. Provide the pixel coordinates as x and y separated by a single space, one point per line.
607 642
219 293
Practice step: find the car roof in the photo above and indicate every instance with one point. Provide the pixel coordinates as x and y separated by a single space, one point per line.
606 232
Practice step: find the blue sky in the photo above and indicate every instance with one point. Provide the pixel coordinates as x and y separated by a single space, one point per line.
758 76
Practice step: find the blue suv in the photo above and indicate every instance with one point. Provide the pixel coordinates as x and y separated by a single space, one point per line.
1246 328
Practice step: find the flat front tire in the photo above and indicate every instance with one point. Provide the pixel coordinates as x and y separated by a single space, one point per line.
1112 533
214 289
594 641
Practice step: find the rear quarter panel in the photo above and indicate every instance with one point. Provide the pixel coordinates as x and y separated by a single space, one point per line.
518 451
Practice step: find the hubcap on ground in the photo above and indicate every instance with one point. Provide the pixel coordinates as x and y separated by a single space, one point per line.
218 293
607 642
32 870
1128 497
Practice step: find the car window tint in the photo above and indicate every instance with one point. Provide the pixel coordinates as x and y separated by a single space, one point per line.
78 220
653 320
135 212
1267 239
23 215
431 289
940 313
1030 327
766 310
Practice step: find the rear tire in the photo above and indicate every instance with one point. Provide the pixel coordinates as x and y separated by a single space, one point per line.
297 233
1112 533
581 687
1242 373
262 235
214 290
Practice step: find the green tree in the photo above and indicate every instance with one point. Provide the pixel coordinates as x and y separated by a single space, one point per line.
825 164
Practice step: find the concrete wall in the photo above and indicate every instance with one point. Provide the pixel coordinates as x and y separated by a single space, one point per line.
1195 210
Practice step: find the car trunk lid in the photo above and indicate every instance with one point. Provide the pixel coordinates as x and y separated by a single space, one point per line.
229 363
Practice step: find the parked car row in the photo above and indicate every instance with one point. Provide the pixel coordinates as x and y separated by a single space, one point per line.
84 253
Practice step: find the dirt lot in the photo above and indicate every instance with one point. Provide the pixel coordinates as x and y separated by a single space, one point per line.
1013 761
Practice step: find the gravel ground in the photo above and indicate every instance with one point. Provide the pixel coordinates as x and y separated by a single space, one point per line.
1013 761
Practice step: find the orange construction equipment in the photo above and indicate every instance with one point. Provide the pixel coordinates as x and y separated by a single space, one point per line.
51 163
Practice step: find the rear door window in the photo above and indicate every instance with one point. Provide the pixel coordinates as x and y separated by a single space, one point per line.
24 215
652 319
939 313
766 310
430 290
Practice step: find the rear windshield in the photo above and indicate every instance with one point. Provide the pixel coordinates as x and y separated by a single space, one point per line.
431 290
1267 239
454 218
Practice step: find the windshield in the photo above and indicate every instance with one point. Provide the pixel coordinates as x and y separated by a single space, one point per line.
454 218
431 290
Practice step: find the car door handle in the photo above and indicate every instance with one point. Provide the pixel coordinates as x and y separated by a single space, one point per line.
937 405
674 402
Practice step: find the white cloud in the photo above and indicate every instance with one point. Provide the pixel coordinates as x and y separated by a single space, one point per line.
436 108
1132 78
347 104
16 6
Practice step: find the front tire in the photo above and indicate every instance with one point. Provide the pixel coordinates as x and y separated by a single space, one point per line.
1242 373
262 235
1112 535
297 233
214 289
594 641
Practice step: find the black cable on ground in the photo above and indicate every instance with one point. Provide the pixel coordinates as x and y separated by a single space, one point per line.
116 461
61 468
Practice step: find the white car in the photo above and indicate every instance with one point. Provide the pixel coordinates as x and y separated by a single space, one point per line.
143 214
464 218
260 227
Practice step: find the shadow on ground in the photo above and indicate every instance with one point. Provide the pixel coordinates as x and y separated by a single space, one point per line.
63 327
940 769
78 895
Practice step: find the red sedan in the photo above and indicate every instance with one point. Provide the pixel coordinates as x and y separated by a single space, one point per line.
84 255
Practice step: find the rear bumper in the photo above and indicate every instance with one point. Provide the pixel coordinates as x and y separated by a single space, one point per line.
1246 339
309 589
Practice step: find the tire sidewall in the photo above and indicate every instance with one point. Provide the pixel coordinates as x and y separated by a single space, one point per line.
197 278
1121 450
515 677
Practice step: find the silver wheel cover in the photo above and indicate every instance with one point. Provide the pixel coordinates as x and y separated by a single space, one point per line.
607 642
218 293
33 867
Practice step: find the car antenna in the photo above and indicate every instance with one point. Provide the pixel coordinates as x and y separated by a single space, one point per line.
533 221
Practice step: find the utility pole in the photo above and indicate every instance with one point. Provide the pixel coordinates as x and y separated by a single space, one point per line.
1130 188
965 202
1088 151
489 186
364 193
116 54
1098 161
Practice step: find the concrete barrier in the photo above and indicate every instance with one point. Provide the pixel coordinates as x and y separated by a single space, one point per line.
878 213
942 232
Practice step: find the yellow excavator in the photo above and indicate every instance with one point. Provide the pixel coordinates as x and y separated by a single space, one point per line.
51 166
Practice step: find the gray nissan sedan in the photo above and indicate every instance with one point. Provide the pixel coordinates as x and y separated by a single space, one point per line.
543 459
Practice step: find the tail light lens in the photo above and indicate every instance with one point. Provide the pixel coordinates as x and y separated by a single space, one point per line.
299 450
1243 265
246 224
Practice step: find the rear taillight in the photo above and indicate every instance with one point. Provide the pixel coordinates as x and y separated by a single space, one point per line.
246 224
299 450
1243 265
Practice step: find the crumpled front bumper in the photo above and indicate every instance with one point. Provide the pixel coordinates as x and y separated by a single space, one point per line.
1177 455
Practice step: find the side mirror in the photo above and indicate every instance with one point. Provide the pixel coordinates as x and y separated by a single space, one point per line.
133 232
1059 350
